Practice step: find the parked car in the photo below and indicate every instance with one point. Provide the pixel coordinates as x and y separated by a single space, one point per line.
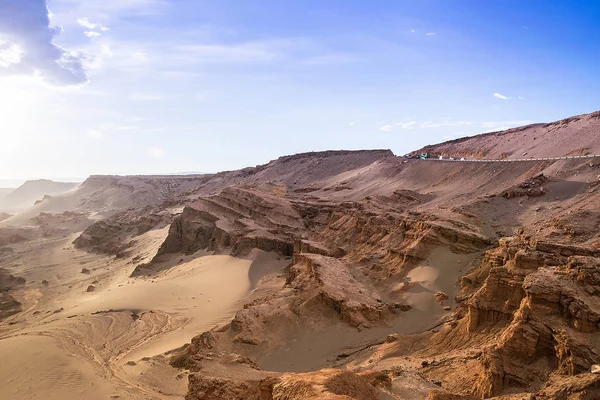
424 156
463 159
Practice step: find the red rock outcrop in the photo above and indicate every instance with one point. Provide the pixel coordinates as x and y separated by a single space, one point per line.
542 298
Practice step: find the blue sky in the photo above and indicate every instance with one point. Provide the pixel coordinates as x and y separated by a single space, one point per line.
158 86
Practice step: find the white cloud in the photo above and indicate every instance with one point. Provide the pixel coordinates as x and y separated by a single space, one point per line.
10 53
501 97
430 34
407 125
412 31
26 24
85 22
351 124
521 98
386 128
95 134
156 152
91 34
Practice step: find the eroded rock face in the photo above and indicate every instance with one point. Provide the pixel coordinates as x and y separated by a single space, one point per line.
229 376
527 312
318 288
11 235
343 255
579 387
329 384
532 187
394 242
439 395
550 320
239 219
205 388
115 235
328 281
194 230
236 378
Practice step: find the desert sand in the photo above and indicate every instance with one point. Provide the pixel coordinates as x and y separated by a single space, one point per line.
330 275
71 343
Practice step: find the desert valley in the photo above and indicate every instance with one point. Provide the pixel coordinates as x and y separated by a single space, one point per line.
327 275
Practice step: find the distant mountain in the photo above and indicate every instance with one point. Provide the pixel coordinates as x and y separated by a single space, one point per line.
31 191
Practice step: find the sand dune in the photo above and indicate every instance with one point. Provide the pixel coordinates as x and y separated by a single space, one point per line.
81 341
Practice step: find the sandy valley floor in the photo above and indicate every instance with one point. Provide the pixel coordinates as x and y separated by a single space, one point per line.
71 343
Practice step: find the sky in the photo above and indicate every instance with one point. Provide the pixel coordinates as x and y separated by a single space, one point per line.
166 86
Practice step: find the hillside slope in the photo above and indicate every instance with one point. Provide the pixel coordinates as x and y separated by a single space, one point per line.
570 136
107 195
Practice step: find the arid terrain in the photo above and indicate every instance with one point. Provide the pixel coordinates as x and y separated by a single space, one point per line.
326 275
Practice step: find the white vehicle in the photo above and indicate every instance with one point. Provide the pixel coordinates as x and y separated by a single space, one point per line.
463 159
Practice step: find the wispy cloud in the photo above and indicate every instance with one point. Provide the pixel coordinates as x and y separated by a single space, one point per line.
115 127
351 124
429 125
328 59
69 12
289 51
95 134
478 125
430 34
454 135
147 97
502 125
91 34
247 52
156 152
386 128
501 96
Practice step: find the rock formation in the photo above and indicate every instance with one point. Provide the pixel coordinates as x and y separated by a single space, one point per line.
405 279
